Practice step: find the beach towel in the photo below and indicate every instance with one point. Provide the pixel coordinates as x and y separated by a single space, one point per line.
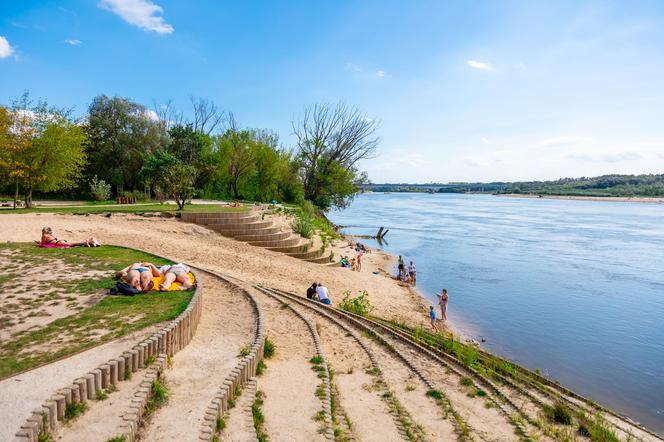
52 246
174 287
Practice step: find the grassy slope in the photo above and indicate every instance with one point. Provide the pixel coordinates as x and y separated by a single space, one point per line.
118 315
138 208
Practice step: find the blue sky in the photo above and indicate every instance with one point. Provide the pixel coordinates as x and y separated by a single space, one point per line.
464 90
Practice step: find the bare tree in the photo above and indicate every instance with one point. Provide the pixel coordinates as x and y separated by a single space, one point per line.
328 135
207 117
167 113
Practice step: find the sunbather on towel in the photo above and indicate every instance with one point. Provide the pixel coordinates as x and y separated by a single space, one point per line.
139 275
175 273
48 239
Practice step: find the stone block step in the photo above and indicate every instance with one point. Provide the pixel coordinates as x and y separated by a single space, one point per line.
287 242
249 228
195 217
264 236
226 221
320 260
237 232
310 254
302 247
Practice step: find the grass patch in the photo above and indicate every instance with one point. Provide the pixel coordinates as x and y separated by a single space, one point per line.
118 439
466 381
437 395
72 410
559 413
258 418
101 395
244 351
260 368
269 348
220 423
316 360
116 315
158 397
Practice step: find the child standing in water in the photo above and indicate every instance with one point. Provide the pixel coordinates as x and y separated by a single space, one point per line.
432 315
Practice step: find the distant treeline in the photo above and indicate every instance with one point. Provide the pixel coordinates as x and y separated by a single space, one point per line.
122 148
605 185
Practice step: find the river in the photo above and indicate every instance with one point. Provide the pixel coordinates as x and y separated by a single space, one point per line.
575 288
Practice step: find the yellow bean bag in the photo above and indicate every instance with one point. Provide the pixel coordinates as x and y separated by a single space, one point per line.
174 287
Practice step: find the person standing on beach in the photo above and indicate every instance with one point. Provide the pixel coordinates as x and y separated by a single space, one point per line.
412 272
432 315
401 268
442 302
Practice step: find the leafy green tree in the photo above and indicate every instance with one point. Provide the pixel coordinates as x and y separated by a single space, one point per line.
194 148
121 136
331 138
170 176
43 148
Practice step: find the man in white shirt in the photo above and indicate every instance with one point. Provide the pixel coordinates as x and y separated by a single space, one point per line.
322 292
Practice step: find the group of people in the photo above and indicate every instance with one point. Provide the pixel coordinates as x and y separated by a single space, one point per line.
407 273
140 276
318 292
354 264
443 299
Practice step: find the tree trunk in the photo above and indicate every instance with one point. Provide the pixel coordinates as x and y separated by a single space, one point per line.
28 198
16 196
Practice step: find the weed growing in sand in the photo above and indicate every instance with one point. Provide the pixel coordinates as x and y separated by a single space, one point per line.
360 305
320 391
258 418
373 371
466 381
268 348
316 360
220 423
318 368
118 439
260 368
244 351
112 388
44 435
150 360
101 395
238 391
72 410
158 397
558 413
319 416
437 395
596 429
410 386
127 375
284 306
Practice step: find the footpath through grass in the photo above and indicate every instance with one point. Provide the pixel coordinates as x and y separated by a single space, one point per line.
110 318
127 208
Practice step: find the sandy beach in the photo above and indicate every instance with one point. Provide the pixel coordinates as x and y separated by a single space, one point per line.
615 199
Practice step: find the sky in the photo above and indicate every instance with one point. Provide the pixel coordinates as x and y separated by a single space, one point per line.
463 90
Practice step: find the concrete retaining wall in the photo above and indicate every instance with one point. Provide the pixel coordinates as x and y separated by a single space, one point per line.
168 341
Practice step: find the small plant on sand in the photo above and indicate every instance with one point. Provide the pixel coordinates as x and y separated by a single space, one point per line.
244 351
318 368
158 397
72 410
316 360
268 348
360 305
101 395
372 371
112 388
596 429
220 423
304 225
150 360
437 395
466 381
558 413
258 418
117 439
284 306
260 368
319 416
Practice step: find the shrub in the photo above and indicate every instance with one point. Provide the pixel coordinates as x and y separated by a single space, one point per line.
268 348
99 190
303 225
159 392
360 305
260 368
220 424
316 360
559 413
74 409
466 381
437 395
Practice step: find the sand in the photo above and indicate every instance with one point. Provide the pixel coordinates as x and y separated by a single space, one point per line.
615 199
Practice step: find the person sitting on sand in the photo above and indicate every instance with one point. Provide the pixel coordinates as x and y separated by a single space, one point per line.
442 302
139 275
432 315
323 294
344 261
175 273
311 291
49 238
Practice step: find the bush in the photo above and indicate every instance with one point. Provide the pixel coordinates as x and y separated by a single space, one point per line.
303 224
360 305
99 190
268 348
559 413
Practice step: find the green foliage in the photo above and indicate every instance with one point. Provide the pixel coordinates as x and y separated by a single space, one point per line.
596 429
260 368
602 186
101 395
159 392
245 350
118 439
170 176
72 410
99 190
316 360
303 224
437 395
258 418
558 413
268 348
466 381
220 423
360 305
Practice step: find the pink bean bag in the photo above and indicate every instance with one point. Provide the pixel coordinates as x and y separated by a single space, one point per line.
52 246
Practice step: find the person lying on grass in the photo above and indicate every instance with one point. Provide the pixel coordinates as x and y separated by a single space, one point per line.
175 273
48 238
139 275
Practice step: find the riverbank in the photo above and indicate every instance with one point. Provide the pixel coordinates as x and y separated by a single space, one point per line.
618 199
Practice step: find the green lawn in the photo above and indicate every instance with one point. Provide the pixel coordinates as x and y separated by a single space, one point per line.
110 318
137 208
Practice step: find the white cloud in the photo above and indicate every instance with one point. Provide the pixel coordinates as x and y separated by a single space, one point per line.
480 65
142 13
380 73
5 49
353 67
618 157
73 42
564 141
485 140
151 115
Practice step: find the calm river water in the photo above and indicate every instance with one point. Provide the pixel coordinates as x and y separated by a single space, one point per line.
575 288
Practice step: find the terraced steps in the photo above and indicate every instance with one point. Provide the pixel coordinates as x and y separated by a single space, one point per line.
253 228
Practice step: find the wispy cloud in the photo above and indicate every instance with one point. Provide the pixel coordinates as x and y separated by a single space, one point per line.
606 158
142 13
5 48
485 140
73 42
353 67
480 65
380 73
564 141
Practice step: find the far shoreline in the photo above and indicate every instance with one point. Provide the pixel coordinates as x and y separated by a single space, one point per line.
615 199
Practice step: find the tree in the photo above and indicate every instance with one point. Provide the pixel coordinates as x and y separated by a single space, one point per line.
121 136
237 147
170 176
330 137
43 148
207 117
